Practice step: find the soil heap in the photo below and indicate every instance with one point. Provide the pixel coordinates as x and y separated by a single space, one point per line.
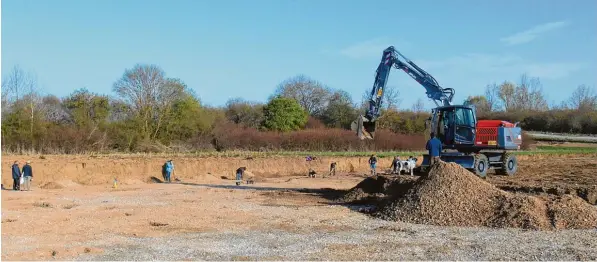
452 196
376 188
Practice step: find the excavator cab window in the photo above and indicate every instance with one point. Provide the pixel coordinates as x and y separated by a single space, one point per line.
464 125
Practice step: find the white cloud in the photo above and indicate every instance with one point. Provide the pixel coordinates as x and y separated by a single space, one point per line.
370 48
531 34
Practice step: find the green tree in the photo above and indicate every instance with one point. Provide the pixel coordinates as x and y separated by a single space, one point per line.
284 114
88 110
340 111
185 120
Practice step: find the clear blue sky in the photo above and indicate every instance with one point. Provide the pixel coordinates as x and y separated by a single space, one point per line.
244 48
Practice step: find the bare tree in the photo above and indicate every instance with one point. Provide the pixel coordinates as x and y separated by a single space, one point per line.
528 96
584 98
150 95
492 95
21 87
418 106
481 104
312 95
4 102
506 95
16 84
34 99
391 98
53 110
240 111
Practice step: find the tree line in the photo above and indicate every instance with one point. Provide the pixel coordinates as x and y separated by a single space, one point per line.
150 112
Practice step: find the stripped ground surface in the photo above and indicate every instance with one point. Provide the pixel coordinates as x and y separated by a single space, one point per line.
554 175
279 218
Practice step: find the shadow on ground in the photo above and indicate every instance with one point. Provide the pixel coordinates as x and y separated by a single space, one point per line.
327 193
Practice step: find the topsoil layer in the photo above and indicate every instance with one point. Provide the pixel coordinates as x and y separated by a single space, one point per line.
452 196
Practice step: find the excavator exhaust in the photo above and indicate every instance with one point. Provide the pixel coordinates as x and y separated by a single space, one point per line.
364 128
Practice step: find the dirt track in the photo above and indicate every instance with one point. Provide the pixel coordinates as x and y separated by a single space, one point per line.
209 218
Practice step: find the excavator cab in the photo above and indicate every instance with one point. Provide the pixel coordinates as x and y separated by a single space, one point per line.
454 125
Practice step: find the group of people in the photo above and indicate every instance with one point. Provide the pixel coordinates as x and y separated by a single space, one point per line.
22 176
433 146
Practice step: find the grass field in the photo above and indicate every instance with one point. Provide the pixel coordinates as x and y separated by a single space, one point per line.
541 149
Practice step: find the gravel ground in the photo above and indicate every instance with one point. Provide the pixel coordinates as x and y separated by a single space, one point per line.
373 240
215 222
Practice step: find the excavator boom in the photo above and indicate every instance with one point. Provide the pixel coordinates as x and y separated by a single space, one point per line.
365 124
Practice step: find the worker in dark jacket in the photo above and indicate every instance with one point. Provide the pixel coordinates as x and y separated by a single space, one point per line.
27 175
372 163
396 165
16 176
434 146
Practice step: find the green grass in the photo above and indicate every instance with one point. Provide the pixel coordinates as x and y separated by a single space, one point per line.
563 149
540 150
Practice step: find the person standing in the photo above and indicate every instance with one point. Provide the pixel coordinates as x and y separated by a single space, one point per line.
239 175
16 176
434 146
27 175
396 165
169 170
164 170
372 163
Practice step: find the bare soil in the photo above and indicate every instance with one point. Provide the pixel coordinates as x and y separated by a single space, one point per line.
73 213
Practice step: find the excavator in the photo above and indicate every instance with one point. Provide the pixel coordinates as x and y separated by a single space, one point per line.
477 145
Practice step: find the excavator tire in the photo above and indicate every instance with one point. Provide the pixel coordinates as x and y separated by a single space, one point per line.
509 165
481 165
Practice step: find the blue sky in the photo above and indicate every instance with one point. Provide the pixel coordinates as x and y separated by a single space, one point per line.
244 48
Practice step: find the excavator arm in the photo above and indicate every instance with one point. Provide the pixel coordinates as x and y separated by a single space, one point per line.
365 125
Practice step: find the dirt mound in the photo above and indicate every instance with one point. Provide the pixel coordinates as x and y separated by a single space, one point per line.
521 211
51 185
451 196
572 212
378 187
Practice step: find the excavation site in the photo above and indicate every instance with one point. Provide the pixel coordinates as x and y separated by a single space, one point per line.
119 208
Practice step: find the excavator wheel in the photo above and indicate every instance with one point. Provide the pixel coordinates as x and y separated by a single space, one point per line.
481 165
509 165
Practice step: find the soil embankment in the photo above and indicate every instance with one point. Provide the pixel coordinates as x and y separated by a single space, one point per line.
98 170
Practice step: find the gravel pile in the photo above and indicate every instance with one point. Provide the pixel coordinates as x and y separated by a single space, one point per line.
451 196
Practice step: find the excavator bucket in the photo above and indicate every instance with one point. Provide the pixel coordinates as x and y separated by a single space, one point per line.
365 129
